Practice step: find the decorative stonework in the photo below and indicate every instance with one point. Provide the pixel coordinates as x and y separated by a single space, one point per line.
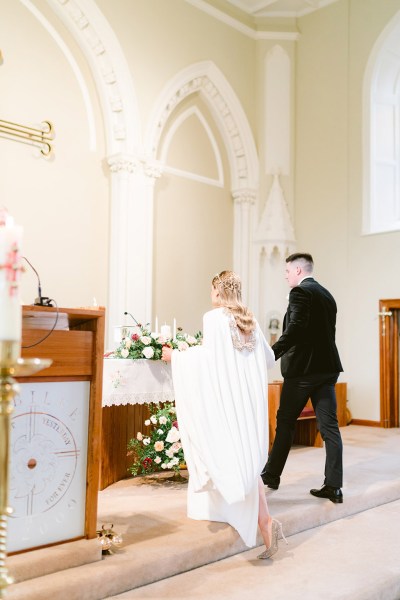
206 79
111 71
152 168
121 162
207 87
244 196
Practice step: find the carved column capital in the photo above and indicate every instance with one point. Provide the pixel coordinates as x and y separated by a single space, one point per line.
244 196
152 168
122 163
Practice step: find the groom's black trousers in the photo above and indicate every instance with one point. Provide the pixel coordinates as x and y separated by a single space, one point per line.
295 393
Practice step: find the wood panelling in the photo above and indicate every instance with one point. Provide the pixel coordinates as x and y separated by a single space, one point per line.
121 423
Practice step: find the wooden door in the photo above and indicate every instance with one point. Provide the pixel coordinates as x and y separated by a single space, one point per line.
389 313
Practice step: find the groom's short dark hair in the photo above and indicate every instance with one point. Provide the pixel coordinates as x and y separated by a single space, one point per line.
305 258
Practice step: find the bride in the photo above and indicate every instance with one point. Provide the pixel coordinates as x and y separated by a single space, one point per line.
221 397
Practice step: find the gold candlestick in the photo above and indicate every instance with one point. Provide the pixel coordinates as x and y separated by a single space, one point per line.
10 364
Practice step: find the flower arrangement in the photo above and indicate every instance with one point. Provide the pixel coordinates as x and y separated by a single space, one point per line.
161 449
144 344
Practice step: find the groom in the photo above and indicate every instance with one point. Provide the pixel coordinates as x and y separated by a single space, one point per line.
310 367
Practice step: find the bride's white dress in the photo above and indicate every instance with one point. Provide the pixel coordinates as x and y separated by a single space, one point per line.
221 397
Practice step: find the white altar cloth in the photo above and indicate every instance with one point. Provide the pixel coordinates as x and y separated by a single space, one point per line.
127 381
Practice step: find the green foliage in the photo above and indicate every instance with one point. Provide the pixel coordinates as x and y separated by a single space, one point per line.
161 449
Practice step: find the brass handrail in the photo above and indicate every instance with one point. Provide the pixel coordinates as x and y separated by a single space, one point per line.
40 138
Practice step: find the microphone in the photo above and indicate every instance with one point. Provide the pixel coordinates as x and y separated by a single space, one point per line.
128 313
40 300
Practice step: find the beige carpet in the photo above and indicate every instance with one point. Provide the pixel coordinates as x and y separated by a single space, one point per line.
161 542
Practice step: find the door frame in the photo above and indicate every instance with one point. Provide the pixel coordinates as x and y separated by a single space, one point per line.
389 361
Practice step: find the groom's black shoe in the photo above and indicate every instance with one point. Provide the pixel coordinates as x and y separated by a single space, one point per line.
327 491
271 481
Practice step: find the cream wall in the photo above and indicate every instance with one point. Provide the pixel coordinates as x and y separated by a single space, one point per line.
62 202
333 51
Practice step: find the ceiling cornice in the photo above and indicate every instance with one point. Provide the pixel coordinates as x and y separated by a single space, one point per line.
252 32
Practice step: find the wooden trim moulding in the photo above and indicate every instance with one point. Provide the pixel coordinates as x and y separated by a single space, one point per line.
365 423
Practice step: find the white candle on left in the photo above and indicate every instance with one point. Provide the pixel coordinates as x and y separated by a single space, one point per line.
10 270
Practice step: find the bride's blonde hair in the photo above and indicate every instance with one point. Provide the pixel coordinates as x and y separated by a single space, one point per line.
229 287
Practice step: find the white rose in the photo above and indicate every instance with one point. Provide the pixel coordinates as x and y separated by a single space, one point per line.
174 461
147 422
182 346
173 435
161 340
148 352
191 340
157 460
163 420
146 340
169 465
153 419
128 342
163 466
124 353
169 453
155 336
146 441
160 431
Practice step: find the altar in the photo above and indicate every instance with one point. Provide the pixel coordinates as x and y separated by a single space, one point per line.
128 386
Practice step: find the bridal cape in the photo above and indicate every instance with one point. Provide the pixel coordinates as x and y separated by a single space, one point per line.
222 410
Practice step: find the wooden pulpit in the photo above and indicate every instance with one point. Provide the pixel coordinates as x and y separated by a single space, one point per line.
56 429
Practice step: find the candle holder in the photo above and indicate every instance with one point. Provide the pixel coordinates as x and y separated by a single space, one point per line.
10 365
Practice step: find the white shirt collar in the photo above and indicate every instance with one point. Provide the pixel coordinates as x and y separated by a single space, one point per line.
306 277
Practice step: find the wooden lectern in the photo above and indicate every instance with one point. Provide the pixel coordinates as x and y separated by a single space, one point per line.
56 429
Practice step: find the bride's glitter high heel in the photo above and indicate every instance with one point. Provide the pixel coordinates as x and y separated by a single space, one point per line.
273 548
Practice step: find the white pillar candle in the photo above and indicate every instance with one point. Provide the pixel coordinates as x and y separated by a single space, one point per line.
10 270
166 331
174 329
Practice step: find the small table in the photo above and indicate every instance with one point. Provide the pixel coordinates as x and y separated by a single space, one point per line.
128 387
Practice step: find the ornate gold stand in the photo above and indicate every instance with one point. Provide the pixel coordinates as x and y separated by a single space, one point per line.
10 364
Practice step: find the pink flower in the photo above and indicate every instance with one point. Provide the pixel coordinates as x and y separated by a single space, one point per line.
159 446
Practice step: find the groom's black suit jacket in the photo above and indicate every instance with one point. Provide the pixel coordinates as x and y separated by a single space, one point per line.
307 344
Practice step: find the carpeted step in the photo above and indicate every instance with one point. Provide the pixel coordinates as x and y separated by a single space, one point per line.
356 558
161 542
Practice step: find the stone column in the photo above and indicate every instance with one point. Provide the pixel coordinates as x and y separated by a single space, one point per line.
244 201
122 168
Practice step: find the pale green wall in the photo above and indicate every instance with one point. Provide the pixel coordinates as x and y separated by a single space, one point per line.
332 55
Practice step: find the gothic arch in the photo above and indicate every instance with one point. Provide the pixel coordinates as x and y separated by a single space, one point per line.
206 79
